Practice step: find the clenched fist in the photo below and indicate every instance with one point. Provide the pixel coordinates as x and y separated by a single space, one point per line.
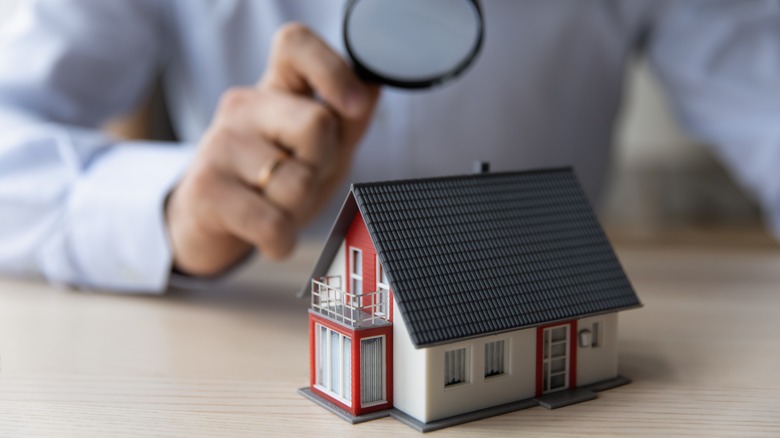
271 157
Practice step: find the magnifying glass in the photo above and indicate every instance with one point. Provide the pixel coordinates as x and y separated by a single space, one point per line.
412 43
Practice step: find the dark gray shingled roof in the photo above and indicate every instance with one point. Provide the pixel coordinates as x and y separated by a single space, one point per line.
478 254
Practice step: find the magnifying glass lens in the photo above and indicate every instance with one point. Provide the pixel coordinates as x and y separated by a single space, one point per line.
412 43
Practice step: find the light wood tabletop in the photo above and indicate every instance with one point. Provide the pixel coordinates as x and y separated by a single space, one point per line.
704 354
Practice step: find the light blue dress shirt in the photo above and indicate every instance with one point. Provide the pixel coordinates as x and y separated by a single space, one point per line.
80 208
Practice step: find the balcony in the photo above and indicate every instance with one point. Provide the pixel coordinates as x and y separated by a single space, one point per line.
351 309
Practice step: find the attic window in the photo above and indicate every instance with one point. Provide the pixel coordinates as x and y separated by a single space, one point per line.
455 367
382 285
356 270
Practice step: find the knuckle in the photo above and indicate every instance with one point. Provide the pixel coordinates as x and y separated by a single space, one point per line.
320 122
217 137
291 34
235 99
221 143
228 145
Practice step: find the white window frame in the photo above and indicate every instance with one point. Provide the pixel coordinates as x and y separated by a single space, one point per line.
382 286
504 365
383 371
353 274
466 368
327 360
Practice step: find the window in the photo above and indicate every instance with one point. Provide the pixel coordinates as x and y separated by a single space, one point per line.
334 363
596 335
455 367
495 358
383 286
356 270
372 371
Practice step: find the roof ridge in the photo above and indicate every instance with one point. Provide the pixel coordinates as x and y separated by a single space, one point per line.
559 169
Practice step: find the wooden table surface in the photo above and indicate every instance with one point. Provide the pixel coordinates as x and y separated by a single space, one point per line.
704 354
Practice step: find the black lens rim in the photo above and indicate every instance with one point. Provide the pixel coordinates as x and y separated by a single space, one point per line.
371 76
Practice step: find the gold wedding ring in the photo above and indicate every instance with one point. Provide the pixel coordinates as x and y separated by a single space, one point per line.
265 173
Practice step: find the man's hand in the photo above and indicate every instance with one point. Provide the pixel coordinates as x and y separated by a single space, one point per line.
218 212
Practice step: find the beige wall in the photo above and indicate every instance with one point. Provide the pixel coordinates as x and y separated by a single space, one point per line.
419 373
338 267
597 364
409 375
517 384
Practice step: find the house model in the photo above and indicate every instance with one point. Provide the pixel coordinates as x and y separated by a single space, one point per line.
445 300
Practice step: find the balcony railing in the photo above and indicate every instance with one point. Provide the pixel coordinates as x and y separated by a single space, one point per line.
353 309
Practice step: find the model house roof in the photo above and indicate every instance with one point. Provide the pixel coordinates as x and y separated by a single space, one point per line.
479 254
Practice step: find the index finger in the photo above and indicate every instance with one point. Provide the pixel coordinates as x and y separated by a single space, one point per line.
301 62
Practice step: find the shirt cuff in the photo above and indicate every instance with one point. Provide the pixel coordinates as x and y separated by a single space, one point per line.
117 236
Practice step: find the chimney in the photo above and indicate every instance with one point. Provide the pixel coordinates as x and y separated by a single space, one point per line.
481 167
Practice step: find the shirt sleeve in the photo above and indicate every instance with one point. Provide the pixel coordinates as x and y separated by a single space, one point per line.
720 64
76 206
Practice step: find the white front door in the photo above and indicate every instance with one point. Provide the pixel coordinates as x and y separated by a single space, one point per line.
555 359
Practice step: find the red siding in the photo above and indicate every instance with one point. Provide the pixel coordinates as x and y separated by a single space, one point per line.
539 361
392 298
367 333
312 352
315 319
356 336
358 237
573 354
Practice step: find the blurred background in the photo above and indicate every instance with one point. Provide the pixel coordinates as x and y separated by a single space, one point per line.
664 186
